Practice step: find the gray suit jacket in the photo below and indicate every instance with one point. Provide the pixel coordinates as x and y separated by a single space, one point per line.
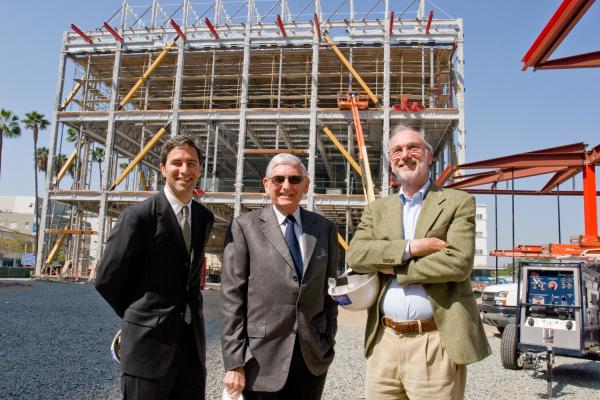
265 309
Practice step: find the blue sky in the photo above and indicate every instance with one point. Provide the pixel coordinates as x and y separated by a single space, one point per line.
507 111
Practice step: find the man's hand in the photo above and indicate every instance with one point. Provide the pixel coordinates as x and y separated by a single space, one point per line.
235 381
426 246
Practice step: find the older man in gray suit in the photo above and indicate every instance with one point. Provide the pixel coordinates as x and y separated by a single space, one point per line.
279 323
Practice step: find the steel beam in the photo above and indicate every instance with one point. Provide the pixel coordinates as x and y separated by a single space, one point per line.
50 169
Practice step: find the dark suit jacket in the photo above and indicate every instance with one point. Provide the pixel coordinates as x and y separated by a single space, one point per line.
265 309
379 243
146 277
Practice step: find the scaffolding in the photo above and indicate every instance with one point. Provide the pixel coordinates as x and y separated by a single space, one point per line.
246 79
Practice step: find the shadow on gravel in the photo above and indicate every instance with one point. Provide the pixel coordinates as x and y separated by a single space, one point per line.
10 284
582 374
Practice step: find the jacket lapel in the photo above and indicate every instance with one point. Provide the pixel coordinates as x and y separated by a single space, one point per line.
430 210
310 235
168 221
393 217
272 231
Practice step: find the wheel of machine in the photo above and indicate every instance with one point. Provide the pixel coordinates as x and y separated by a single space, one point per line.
509 354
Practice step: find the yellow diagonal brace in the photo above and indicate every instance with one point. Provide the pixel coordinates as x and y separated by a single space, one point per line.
342 242
351 69
148 72
342 150
161 132
55 249
65 168
71 95
143 181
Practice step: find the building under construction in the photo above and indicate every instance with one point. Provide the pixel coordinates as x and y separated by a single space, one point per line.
246 79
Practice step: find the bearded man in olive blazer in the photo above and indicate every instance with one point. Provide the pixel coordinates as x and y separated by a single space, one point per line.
422 244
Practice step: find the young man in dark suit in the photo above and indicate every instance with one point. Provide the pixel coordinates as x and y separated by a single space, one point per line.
150 275
279 323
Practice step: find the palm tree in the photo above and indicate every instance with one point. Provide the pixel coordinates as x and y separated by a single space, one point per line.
98 156
9 127
59 161
36 122
71 135
42 159
124 165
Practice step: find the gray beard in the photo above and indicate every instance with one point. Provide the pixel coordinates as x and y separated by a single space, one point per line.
409 178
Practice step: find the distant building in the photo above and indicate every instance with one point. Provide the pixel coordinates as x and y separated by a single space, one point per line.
481 250
17 214
16 228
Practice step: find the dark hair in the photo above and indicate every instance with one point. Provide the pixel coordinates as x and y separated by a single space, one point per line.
176 141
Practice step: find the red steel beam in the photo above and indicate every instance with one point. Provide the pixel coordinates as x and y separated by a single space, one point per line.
317 26
80 33
429 22
211 28
391 22
503 175
529 160
281 27
177 29
559 178
558 27
587 60
523 192
446 173
113 32
590 210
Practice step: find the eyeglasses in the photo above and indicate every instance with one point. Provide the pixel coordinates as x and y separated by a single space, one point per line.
398 152
292 179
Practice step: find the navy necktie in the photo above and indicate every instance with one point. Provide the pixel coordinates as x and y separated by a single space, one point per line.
293 245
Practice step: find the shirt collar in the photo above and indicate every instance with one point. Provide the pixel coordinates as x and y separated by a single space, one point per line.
281 217
176 205
417 197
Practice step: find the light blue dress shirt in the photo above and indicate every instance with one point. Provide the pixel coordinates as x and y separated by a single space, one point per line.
408 302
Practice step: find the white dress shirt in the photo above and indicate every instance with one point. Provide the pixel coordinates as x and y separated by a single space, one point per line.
281 219
177 205
408 302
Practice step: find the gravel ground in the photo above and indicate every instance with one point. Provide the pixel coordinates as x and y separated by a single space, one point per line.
54 340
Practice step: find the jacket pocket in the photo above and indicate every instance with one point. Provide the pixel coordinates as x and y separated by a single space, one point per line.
142 318
256 330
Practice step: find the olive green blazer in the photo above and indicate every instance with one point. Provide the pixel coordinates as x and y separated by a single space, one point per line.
379 243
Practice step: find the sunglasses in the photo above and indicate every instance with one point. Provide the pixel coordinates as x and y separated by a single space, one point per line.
292 179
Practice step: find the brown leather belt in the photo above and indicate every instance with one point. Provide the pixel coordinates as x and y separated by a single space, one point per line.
418 326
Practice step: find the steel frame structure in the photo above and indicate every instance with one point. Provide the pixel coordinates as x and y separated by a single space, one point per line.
246 79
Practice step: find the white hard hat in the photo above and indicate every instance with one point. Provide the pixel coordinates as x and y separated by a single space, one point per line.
354 291
226 396
115 347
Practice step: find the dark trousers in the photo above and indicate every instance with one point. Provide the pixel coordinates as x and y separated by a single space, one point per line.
300 384
187 381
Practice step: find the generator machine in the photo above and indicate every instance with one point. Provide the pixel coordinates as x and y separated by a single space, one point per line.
557 314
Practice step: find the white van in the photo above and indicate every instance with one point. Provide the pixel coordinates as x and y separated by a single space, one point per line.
498 305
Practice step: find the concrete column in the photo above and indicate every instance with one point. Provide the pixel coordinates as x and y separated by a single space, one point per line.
179 73
385 179
39 260
239 168
460 95
110 134
312 134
